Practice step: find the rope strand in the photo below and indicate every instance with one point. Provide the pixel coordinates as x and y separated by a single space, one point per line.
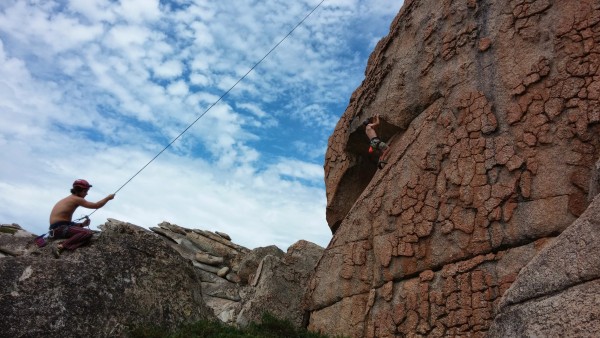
219 99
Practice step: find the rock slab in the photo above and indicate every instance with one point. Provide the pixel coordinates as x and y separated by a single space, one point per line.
127 277
558 291
492 113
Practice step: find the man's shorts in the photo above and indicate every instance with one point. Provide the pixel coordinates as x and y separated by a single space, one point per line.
61 229
376 143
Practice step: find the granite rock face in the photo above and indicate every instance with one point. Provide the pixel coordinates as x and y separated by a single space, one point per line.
557 292
492 112
14 241
127 278
280 283
130 277
249 264
240 284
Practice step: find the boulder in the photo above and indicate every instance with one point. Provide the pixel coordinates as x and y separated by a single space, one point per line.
249 262
124 279
212 281
279 285
242 284
210 246
491 111
224 235
206 267
557 291
222 239
223 271
222 296
208 259
15 241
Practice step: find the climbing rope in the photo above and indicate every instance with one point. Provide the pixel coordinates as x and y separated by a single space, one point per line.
220 98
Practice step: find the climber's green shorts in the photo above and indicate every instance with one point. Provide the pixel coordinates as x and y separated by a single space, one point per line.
376 143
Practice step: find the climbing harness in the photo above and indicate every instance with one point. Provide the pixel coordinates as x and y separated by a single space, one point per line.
41 240
220 98
375 142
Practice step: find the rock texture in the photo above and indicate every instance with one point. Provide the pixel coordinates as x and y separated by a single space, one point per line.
280 283
595 182
14 241
127 278
492 112
557 292
164 277
239 284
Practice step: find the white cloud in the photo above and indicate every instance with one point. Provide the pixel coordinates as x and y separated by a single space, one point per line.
178 88
126 36
140 10
299 169
169 69
95 11
199 79
95 89
202 34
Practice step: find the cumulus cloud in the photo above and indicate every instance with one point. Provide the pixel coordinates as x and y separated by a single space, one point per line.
169 69
95 89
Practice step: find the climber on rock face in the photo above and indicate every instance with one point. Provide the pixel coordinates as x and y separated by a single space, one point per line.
61 224
376 143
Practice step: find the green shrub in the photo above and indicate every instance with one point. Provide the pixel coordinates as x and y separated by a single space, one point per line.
8 230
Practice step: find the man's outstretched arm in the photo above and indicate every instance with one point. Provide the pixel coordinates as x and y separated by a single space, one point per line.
96 205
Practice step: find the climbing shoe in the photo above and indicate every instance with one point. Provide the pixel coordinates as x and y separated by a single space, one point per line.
381 164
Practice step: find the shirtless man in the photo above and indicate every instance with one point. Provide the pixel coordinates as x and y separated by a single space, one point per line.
376 143
61 223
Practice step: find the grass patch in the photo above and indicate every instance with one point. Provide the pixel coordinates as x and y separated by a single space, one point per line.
269 327
8 230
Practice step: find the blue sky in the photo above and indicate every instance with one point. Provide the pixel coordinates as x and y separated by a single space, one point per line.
94 89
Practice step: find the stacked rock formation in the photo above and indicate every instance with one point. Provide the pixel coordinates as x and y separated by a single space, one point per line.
492 111
241 284
208 251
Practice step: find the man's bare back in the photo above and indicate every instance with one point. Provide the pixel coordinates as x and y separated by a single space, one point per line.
376 143
370 128
370 131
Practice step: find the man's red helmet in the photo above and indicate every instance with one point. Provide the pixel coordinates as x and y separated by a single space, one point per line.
82 183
